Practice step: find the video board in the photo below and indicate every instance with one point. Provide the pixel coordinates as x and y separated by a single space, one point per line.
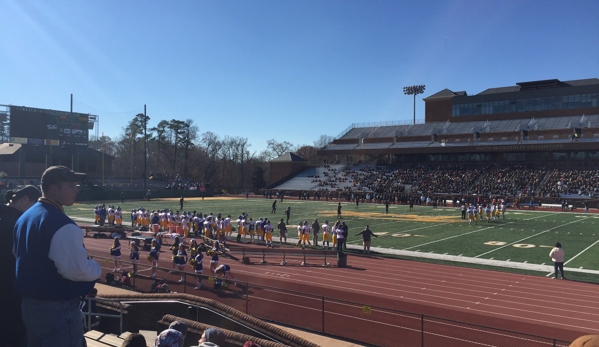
38 126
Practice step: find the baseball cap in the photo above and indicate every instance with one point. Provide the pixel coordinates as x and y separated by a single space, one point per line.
29 190
59 174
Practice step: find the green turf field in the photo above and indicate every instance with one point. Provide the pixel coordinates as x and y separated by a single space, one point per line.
523 237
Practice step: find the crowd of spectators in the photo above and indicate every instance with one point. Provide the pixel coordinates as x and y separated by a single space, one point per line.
393 182
509 180
448 179
567 182
176 181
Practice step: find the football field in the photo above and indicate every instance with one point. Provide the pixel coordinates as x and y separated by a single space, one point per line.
520 243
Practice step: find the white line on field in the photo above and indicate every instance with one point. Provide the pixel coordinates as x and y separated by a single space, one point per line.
584 250
474 231
528 237
447 238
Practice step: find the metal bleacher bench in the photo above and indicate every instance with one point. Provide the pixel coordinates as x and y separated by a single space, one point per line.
104 232
144 241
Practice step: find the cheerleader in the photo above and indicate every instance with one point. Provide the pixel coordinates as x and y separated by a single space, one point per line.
198 267
153 257
115 252
181 260
223 271
193 249
214 260
175 249
134 256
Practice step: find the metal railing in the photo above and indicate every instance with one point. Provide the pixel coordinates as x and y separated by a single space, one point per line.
88 315
353 321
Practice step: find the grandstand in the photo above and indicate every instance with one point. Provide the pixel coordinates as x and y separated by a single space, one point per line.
534 139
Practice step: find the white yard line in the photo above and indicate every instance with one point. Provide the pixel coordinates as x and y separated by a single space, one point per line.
474 231
451 237
584 250
526 238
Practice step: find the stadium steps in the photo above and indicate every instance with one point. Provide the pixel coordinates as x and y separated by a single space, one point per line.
543 182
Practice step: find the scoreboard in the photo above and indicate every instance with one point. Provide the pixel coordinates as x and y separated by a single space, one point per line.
36 126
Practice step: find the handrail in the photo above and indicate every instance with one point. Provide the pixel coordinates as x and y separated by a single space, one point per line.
88 314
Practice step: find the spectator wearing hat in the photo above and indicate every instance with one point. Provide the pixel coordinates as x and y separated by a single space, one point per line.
49 250
18 201
214 336
174 336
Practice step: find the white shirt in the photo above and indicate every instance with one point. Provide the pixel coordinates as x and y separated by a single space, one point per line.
557 254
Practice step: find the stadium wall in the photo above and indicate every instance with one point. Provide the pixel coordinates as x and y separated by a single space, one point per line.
280 170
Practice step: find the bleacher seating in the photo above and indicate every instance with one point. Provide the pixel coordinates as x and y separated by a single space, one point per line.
388 181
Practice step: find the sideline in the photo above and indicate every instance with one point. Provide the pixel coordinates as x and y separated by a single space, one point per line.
451 258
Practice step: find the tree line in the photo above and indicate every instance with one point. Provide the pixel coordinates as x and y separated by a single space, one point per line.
176 147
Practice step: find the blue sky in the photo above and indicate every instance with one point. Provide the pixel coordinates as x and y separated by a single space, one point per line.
288 70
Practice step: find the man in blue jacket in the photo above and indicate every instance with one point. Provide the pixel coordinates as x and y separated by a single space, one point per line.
53 271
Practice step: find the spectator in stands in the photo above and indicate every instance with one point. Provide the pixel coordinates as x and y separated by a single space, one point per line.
174 336
134 340
53 270
213 335
18 201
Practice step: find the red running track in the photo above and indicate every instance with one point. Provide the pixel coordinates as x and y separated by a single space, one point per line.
532 305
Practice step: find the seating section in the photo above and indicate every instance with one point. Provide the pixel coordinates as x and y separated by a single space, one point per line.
486 126
508 180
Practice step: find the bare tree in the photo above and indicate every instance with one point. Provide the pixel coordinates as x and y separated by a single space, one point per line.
178 129
308 153
212 145
275 149
322 141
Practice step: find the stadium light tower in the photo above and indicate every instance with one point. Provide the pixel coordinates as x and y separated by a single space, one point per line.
414 90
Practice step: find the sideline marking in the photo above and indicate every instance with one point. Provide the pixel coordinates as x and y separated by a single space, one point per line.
526 238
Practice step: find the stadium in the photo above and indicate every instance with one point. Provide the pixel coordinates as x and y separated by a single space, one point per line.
433 280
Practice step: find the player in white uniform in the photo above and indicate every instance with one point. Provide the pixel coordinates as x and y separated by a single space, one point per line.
118 216
326 234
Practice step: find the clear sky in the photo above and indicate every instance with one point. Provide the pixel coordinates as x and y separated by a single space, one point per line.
289 70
